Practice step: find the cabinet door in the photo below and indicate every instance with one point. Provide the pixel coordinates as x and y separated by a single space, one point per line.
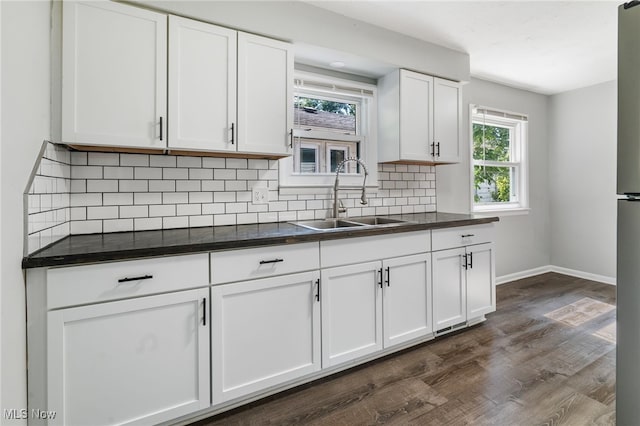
114 75
202 86
265 95
449 292
264 332
447 117
407 298
351 312
481 288
143 360
416 116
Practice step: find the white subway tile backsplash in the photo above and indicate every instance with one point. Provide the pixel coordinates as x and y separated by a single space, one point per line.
117 225
189 162
134 211
162 210
145 224
203 220
102 185
134 160
108 212
162 161
162 186
224 174
118 172
175 197
111 192
147 198
188 186
147 173
188 209
86 172
117 199
213 163
175 173
134 186
103 159
172 222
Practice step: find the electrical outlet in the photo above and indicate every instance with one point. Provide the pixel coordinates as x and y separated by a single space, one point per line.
259 195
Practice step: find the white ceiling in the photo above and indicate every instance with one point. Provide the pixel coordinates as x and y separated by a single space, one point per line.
543 46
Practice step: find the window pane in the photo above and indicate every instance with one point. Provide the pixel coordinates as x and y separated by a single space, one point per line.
308 160
337 157
320 114
491 143
494 184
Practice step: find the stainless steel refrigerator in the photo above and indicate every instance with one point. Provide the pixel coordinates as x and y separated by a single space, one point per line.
628 189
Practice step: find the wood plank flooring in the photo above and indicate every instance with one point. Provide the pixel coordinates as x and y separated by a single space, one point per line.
517 368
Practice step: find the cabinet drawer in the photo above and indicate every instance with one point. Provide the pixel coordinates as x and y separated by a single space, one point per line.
78 285
365 249
247 264
442 239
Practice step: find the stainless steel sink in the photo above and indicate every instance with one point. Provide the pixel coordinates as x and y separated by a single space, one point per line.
328 224
377 220
354 222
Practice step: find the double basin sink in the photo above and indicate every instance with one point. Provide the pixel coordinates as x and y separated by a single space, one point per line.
344 224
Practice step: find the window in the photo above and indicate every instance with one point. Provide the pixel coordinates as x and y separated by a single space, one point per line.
333 120
499 148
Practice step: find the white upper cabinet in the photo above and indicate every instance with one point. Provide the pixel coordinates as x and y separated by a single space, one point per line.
225 91
447 117
265 95
114 60
202 86
419 118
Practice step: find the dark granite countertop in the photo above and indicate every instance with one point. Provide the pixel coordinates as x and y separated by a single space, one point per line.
78 249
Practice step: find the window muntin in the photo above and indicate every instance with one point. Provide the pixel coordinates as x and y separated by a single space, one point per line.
498 160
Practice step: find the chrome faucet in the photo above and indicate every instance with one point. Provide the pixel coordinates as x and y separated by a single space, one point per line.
336 201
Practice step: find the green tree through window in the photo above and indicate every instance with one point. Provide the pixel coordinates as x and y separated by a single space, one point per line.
492 143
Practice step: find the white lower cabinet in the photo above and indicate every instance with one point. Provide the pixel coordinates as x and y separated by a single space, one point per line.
374 305
264 332
136 361
463 285
351 312
406 310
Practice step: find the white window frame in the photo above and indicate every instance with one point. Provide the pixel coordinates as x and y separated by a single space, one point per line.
341 90
518 146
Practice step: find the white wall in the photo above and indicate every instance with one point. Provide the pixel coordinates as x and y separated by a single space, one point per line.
289 20
582 179
522 241
25 123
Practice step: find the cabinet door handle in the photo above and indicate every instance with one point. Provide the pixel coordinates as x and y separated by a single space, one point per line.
388 281
160 128
380 277
433 149
264 262
438 145
470 260
233 133
467 235
143 277
291 138
465 265
318 290
204 311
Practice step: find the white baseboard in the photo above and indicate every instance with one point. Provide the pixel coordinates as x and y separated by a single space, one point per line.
522 274
560 270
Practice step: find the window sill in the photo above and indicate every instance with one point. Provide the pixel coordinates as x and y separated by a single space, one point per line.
520 211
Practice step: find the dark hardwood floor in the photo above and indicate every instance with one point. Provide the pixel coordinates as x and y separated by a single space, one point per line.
517 368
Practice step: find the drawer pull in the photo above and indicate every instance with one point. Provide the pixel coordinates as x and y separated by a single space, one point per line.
126 280
467 235
264 262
